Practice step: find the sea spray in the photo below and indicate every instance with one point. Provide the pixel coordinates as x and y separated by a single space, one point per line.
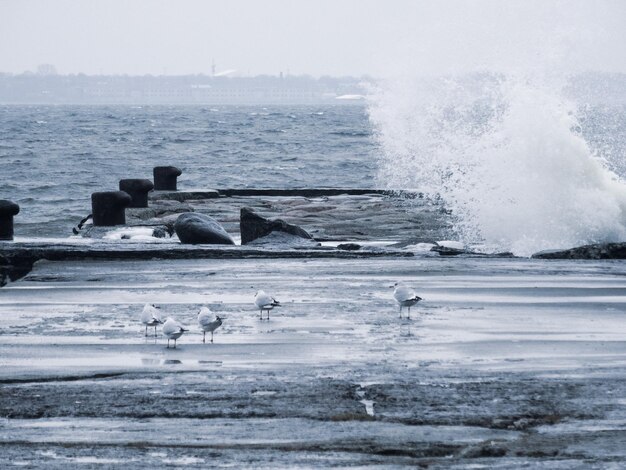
496 132
506 156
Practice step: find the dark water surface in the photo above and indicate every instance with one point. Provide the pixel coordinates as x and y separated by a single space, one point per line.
54 157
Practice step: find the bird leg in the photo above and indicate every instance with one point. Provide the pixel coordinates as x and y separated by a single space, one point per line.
155 335
400 311
261 317
146 330
168 343
174 343
409 314
204 336
211 336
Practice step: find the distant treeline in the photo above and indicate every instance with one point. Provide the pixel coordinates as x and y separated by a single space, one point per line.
30 88
38 88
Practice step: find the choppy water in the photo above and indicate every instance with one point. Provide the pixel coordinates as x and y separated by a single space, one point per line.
54 157
524 181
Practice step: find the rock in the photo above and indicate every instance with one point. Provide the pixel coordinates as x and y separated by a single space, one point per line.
486 450
158 210
90 231
349 246
595 251
253 226
161 232
283 240
451 244
193 228
17 259
301 192
16 265
452 249
184 196
447 251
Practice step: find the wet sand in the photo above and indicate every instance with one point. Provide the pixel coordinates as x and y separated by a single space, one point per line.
506 363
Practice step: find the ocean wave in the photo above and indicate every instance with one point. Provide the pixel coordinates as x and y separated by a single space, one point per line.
518 174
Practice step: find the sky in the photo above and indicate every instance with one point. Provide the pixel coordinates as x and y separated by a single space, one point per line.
316 37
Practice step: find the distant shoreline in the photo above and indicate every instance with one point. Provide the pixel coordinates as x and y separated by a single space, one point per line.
183 90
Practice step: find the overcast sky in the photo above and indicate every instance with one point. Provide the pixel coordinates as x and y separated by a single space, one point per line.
318 37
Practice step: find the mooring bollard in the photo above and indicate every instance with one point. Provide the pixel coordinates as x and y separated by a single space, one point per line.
7 210
108 208
138 191
165 178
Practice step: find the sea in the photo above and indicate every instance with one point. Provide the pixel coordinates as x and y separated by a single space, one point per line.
522 171
54 157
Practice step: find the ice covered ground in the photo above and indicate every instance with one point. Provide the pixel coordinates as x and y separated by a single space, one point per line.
506 363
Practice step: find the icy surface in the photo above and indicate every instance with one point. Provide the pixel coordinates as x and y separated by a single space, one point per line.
506 362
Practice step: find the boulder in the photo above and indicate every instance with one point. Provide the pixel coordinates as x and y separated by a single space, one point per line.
595 251
193 228
253 226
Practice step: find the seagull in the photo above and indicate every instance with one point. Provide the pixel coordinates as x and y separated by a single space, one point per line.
406 297
264 301
205 322
150 317
173 330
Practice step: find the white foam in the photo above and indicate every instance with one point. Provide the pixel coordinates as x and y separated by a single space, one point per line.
137 234
494 133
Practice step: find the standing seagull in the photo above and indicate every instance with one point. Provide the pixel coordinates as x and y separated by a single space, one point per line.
264 301
205 322
406 297
150 317
173 330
